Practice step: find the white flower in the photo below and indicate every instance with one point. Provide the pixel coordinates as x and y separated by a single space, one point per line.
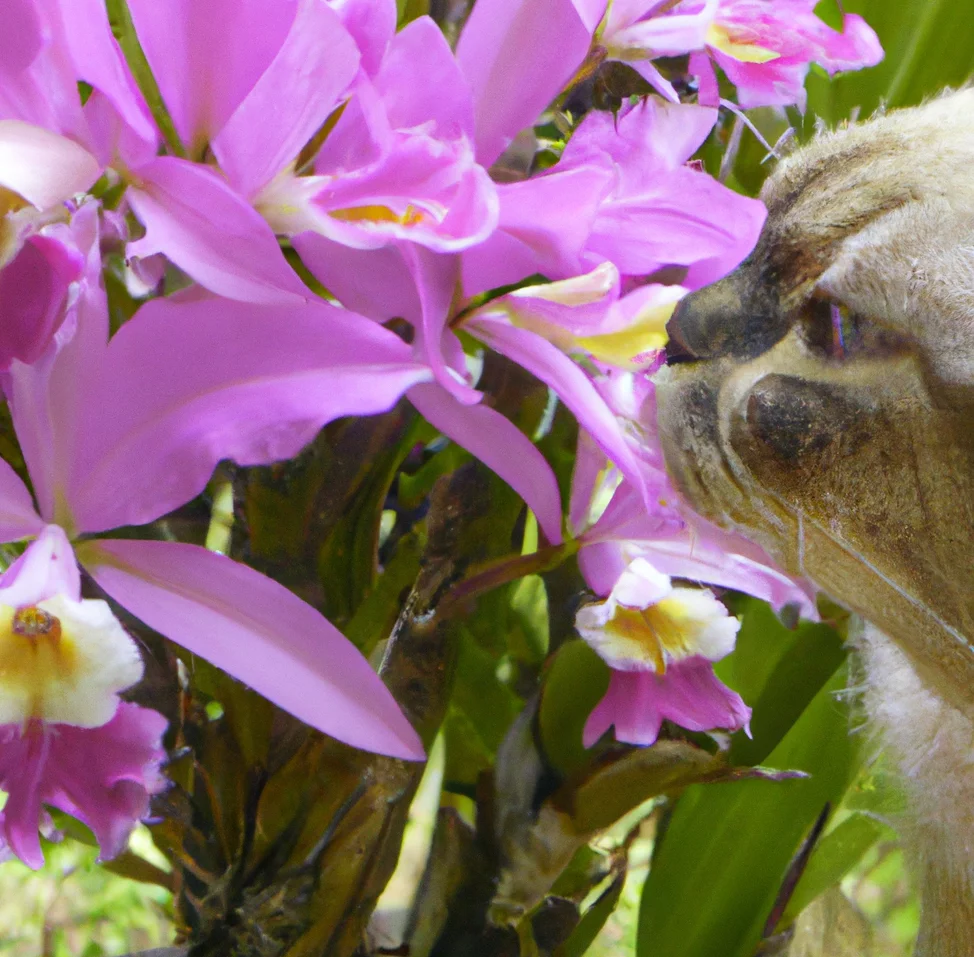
646 623
63 659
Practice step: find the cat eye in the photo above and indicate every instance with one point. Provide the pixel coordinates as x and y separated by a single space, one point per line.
837 332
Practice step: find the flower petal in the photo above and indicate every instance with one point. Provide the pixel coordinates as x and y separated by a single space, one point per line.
103 776
43 396
374 282
518 55
372 23
689 694
500 445
211 233
46 569
266 132
420 81
571 384
43 167
34 290
544 225
18 517
98 60
259 632
21 38
206 55
186 384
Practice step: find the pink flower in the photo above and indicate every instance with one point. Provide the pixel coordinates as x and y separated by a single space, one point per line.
399 164
689 694
103 776
120 432
65 738
765 48
660 642
632 201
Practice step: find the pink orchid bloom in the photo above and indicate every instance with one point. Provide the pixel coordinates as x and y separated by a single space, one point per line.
688 694
398 163
65 738
119 432
633 202
765 48
660 642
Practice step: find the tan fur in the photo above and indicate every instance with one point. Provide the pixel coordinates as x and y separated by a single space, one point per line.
857 468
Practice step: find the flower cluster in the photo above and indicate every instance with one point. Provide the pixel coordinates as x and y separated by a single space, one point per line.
275 132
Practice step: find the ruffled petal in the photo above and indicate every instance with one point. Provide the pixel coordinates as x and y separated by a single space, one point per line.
689 694
104 776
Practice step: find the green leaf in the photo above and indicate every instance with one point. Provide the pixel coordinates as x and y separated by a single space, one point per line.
719 865
575 683
587 929
529 613
928 46
777 671
836 854
490 705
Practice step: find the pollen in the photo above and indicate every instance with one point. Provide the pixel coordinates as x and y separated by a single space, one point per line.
34 622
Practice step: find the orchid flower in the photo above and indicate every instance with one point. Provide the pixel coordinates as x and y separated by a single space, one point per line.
659 641
119 432
615 527
40 171
764 46
66 740
632 200
398 164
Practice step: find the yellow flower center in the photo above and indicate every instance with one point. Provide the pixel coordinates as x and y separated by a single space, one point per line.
411 216
721 38
35 656
661 629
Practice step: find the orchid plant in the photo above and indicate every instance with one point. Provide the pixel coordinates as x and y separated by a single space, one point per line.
225 227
